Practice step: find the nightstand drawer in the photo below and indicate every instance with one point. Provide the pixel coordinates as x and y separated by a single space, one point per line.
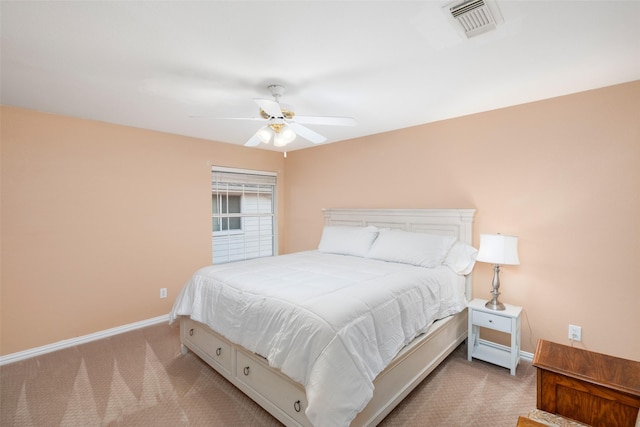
492 321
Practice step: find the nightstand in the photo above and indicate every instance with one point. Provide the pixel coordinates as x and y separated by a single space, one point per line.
507 320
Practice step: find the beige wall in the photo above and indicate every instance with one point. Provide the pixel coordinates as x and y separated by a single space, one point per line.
563 174
96 218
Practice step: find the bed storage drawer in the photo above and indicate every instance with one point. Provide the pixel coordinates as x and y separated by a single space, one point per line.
284 393
216 349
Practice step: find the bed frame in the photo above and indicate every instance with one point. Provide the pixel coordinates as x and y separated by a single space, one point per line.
286 399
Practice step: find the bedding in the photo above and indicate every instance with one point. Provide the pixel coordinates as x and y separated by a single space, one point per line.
328 321
347 240
422 249
461 258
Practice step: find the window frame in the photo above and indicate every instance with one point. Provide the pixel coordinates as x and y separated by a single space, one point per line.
241 178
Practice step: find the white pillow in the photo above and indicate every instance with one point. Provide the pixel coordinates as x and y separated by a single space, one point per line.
461 258
422 249
346 240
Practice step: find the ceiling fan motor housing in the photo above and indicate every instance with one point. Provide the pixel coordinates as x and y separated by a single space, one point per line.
276 90
286 114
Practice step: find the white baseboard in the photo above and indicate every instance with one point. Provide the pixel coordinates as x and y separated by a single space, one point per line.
33 352
525 355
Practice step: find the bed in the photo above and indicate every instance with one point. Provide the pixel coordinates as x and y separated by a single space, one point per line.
306 337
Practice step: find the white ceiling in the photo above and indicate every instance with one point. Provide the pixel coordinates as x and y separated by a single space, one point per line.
388 64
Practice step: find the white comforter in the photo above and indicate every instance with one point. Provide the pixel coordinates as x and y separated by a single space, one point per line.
330 322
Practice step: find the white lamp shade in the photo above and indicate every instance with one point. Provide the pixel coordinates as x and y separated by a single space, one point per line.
288 134
264 134
498 249
285 136
278 140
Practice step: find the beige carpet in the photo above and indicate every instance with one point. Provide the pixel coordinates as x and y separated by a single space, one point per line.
140 378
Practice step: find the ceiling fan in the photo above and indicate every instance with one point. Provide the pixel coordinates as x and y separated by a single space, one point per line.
283 125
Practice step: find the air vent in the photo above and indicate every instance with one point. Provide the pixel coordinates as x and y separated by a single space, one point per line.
476 16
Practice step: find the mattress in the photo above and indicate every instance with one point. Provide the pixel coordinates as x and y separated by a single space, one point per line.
330 322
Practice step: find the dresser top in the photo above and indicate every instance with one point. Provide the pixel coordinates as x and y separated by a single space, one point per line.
601 369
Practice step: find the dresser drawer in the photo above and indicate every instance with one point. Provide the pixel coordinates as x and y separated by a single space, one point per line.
492 321
283 392
198 335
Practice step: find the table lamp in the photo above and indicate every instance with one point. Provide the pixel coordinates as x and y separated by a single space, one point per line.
498 250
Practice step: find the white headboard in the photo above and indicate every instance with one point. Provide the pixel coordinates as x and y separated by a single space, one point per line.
450 222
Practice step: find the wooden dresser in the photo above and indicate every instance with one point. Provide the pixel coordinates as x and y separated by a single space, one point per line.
592 388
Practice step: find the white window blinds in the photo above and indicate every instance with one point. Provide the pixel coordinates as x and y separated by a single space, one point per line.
246 178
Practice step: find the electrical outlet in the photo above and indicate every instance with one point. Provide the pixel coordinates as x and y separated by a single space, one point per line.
163 292
575 333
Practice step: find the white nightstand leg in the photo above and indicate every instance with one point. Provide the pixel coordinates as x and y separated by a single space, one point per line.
515 344
471 339
514 349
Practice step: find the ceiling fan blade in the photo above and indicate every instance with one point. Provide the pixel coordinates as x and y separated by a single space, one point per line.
307 133
228 118
331 121
253 141
272 108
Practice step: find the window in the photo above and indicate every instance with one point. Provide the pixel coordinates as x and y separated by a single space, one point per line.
226 204
243 214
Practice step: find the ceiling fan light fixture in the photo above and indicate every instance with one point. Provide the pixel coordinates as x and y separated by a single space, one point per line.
278 141
284 136
283 126
288 134
264 134
276 126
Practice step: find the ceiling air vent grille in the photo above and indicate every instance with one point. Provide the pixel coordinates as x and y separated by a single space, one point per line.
475 17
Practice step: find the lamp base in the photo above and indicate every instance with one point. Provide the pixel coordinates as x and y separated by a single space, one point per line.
494 305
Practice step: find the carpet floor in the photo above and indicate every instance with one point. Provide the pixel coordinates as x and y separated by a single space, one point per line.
140 378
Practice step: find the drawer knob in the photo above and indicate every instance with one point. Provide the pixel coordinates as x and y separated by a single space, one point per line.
296 406
191 332
246 370
490 320
218 351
